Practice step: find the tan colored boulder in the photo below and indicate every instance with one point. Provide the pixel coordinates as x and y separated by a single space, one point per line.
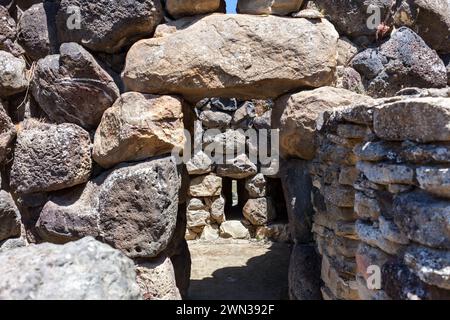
295 115
417 119
239 56
182 8
276 7
157 280
139 126
206 186
259 211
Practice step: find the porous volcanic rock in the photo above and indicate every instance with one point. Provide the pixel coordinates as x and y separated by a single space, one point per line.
240 56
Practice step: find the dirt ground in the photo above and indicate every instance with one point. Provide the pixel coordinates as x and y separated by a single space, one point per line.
239 270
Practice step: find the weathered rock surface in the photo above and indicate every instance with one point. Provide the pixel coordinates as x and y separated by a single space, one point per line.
239 167
50 157
139 126
82 270
295 115
7 31
417 119
297 187
246 57
403 61
259 211
200 163
7 133
304 273
424 219
234 229
256 186
9 217
13 77
157 280
432 266
133 207
434 180
383 173
105 25
37 30
182 8
351 17
72 87
206 186
276 7
430 19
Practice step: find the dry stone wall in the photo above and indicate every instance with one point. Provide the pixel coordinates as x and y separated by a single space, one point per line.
94 100
383 209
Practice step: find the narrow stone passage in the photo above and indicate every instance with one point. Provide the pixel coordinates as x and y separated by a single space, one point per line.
239 269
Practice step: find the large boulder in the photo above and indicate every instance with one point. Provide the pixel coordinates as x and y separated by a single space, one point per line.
82 270
13 75
403 61
296 114
277 7
72 87
7 133
157 280
9 217
182 8
133 207
430 19
107 25
37 30
139 126
351 17
240 56
50 157
418 119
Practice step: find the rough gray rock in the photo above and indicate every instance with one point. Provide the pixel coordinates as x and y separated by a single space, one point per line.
106 25
432 266
304 273
7 31
50 157
262 7
37 30
259 211
256 186
9 217
423 218
7 133
239 167
297 187
13 77
82 270
139 126
430 19
72 87
296 116
403 61
247 57
418 119
133 207
182 8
